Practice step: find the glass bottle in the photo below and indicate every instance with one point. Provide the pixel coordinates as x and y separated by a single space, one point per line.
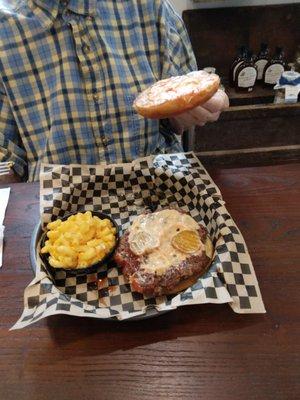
236 63
297 60
274 68
246 74
261 60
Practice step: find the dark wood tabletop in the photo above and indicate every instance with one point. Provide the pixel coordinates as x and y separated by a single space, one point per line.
195 352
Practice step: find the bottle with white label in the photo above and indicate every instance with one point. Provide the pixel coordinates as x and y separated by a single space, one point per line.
236 63
297 59
246 74
262 60
274 68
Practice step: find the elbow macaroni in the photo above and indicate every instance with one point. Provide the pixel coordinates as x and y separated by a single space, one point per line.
80 241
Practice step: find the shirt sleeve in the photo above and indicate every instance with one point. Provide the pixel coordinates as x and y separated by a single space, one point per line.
176 53
177 58
11 148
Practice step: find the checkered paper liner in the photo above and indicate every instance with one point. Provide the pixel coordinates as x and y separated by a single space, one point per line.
124 191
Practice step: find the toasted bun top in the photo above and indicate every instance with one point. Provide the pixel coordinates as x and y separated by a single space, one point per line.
176 94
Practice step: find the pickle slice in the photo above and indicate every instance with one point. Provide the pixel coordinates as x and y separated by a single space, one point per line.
209 248
187 241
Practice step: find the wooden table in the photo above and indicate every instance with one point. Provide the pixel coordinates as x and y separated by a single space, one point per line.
200 352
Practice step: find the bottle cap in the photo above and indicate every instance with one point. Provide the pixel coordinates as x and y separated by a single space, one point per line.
242 49
263 46
249 54
289 78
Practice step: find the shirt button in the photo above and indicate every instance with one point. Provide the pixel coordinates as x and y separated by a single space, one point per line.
96 97
89 18
86 48
104 141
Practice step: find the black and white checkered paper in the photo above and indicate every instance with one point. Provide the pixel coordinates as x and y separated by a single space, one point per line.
124 191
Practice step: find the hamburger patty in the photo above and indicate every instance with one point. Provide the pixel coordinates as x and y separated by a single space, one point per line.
153 284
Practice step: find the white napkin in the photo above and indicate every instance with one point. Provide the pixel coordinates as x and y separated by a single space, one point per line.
4 196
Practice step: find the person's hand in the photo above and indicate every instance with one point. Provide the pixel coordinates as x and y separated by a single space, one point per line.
208 112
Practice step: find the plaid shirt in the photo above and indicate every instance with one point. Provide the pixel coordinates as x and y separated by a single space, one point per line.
69 72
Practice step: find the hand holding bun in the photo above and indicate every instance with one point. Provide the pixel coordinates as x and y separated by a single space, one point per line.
176 95
207 112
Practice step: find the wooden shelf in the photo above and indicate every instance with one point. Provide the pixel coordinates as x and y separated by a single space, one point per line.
253 130
259 95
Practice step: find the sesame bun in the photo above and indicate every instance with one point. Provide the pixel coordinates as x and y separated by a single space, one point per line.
175 95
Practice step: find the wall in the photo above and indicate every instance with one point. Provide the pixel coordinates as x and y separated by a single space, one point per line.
181 5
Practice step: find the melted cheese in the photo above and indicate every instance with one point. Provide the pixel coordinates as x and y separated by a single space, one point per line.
151 237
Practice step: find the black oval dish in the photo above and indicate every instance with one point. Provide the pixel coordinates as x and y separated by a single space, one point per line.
80 271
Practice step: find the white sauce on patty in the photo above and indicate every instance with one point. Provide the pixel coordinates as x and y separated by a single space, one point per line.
150 236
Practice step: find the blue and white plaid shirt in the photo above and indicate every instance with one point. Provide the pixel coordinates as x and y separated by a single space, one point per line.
69 72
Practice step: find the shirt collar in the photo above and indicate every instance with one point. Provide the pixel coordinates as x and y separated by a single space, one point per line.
47 10
85 7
